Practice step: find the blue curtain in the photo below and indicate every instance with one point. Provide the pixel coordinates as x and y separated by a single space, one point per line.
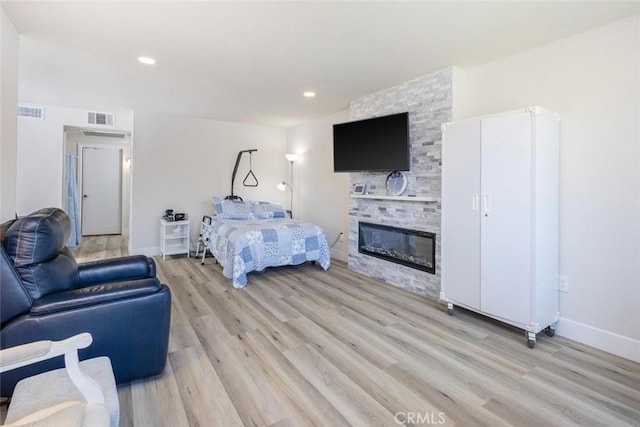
71 201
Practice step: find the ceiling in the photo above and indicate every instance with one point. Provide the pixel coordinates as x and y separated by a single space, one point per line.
251 61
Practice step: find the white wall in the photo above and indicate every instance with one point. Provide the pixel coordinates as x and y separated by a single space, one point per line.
320 195
41 153
179 163
9 44
593 81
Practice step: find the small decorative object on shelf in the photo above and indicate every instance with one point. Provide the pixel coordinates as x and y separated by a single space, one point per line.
358 189
168 215
396 183
174 237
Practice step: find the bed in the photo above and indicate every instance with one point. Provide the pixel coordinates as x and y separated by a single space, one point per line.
251 236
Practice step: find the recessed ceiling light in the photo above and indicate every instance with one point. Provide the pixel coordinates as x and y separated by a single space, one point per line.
309 94
146 60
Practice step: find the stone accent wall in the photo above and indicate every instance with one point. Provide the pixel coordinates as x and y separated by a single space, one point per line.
429 101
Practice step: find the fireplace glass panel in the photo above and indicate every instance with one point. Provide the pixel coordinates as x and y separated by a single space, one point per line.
412 248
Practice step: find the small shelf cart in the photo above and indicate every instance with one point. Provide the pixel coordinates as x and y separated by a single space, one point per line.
174 237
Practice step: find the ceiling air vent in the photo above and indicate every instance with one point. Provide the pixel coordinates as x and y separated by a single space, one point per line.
101 119
120 135
31 111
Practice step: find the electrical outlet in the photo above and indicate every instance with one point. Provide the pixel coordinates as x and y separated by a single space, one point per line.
564 284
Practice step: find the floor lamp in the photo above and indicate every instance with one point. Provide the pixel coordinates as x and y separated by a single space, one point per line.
283 185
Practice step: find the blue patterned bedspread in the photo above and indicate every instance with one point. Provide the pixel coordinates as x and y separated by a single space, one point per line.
242 246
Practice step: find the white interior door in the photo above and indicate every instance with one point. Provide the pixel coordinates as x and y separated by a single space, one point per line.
506 217
101 190
460 213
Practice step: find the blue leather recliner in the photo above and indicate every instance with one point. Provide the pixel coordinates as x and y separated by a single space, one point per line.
46 295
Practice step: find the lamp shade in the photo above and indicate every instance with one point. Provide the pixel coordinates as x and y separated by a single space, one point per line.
291 157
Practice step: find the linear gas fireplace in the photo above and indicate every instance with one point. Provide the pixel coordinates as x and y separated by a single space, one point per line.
413 248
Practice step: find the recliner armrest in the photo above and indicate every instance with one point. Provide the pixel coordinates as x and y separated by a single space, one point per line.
116 269
94 295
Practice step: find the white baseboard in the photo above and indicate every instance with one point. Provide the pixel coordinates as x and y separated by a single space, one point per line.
603 340
152 251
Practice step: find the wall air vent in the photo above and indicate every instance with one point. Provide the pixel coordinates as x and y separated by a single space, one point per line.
120 135
101 119
31 111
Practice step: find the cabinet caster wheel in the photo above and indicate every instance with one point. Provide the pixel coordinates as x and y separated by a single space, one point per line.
531 339
450 309
550 331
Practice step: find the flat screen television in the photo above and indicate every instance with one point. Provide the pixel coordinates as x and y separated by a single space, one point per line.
376 145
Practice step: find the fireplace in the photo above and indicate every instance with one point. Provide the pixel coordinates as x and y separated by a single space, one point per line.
413 248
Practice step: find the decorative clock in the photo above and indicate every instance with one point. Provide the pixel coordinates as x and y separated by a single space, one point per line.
396 183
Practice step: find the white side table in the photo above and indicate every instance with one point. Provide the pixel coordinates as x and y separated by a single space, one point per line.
174 237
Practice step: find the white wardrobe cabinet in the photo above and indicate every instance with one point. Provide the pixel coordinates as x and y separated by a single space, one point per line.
500 209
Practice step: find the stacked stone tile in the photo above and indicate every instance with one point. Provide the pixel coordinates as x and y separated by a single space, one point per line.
428 100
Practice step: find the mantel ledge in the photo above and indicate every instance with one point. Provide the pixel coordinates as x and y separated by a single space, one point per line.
423 199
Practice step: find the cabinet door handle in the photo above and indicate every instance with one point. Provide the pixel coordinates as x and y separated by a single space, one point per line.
474 202
486 203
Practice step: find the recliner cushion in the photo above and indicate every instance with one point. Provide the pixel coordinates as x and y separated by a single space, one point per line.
94 295
36 246
14 298
116 269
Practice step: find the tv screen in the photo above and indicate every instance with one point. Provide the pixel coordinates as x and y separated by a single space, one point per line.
377 144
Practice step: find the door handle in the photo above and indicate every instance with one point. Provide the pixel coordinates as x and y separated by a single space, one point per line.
474 202
487 204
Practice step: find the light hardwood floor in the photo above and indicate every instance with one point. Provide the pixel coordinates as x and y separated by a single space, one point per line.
299 346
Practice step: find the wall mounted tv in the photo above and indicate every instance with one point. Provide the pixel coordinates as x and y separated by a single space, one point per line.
376 145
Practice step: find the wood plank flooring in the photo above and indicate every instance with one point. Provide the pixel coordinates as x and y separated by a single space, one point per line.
299 346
